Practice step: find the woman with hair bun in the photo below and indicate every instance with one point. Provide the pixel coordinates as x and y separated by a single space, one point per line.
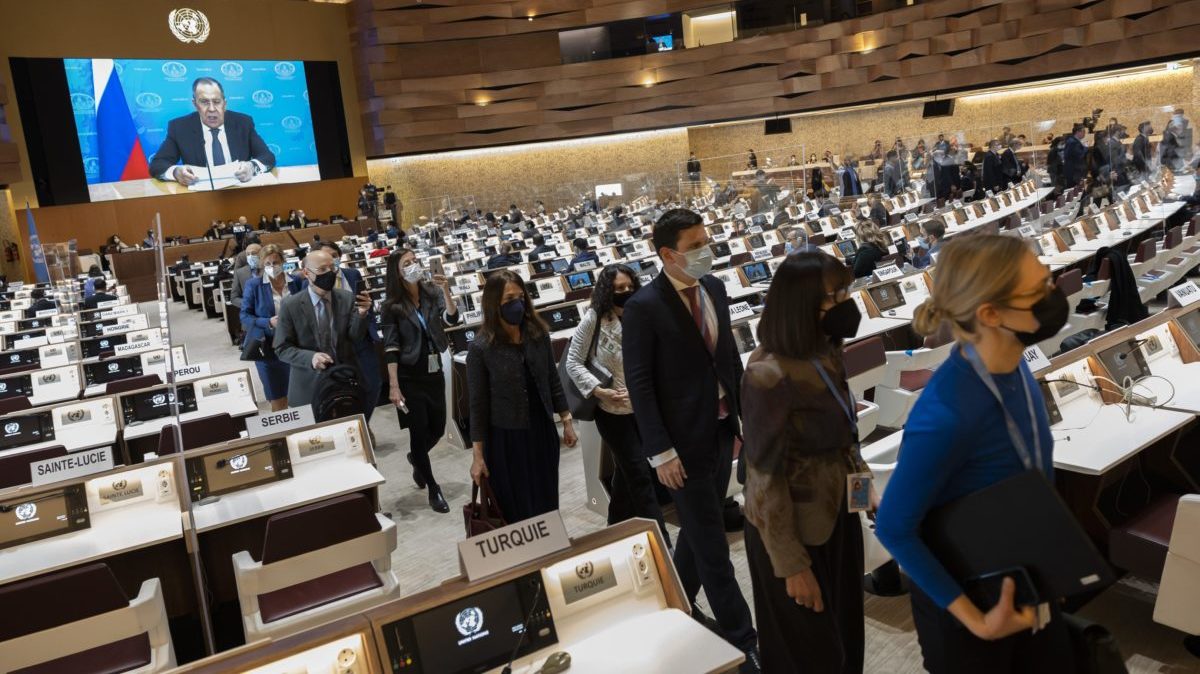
980 420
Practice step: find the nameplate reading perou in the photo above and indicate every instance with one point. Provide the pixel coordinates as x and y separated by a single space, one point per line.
496 551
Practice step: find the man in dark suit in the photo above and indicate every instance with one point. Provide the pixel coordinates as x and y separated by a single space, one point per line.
539 247
210 136
504 257
847 176
1012 167
583 253
242 273
100 285
682 371
318 327
1141 148
1075 157
893 181
993 172
945 175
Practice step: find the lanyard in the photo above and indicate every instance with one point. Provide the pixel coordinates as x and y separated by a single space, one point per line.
847 408
1014 433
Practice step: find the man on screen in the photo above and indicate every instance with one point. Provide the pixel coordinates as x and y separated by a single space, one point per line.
211 136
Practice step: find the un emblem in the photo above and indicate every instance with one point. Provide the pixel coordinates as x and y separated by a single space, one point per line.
148 100
158 399
188 25
3 387
83 103
174 70
120 485
285 70
262 98
291 122
469 621
11 427
77 415
239 462
26 511
113 367
232 70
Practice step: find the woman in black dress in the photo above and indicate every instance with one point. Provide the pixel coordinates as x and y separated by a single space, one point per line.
514 392
415 313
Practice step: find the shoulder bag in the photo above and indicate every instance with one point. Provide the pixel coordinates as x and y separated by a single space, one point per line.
581 406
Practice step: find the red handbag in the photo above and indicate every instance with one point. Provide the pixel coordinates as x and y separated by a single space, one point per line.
482 514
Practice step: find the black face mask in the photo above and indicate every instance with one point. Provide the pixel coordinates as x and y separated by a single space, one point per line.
1051 313
619 299
326 281
842 319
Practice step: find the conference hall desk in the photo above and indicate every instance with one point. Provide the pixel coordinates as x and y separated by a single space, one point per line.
138 269
1110 458
631 616
152 187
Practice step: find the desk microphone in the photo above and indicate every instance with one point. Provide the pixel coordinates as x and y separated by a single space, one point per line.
1124 355
211 184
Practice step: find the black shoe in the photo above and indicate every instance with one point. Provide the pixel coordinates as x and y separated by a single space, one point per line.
437 501
753 663
418 478
702 618
886 581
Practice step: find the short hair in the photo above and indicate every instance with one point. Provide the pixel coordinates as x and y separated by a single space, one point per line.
791 322
671 224
935 227
504 248
99 284
37 293
580 244
207 80
330 245
267 251
539 240
892 154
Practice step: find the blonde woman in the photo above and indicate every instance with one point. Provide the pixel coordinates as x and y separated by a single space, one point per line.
980 420
260 312
872 247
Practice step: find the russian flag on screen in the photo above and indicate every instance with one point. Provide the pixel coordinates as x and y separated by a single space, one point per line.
120 150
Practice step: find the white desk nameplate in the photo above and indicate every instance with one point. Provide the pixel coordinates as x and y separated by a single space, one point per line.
759 254
1035 359
1185 294
496 551
72 465
193 371
888 272
739 311
293 418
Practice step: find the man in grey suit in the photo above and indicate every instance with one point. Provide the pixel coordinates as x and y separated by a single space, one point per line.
245 268
893 181
318 327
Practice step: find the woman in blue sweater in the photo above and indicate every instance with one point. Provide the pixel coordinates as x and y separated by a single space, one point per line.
997 298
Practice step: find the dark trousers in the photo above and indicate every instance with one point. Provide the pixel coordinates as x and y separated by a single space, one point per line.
425 397
948 647
372 377
792 638
632 492
702 550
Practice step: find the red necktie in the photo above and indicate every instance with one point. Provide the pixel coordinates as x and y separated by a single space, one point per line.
693 294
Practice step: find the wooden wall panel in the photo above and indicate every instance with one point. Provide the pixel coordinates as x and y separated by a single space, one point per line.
479 73
10 160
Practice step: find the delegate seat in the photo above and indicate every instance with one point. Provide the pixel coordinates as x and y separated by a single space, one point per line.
319 562
866 363
1071 283
1179 588
907 374
81 621
1140 544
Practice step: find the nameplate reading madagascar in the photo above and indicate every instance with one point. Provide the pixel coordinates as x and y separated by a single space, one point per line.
76 464
132 347
496 551
285 420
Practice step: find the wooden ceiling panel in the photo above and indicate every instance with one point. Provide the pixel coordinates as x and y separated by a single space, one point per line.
424 73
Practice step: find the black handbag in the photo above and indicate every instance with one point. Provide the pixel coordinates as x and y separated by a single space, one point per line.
258 348
1096 650
581 406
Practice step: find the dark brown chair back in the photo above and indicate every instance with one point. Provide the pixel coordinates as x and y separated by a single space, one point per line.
1070 282
316 526
864 355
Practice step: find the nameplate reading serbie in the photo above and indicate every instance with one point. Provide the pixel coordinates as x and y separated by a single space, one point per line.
888 272
1185 294
76 464
1035 359
496 551
291 419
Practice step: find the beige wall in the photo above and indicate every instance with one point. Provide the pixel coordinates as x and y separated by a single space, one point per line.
9 232
555 172
1033 111
264 29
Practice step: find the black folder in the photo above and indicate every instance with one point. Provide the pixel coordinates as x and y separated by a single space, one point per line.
1017 522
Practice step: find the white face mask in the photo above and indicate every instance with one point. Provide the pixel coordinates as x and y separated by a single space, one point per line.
272 271
412 273
697 262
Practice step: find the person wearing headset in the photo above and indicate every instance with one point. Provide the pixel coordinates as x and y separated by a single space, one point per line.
980 420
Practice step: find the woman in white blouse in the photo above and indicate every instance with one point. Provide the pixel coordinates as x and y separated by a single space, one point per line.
597 340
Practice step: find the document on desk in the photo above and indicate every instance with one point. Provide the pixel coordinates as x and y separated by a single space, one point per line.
223 177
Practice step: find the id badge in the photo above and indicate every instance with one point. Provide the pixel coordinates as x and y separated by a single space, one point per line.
858 492
435 362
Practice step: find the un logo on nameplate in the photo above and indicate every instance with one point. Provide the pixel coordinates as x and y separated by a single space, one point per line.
188 25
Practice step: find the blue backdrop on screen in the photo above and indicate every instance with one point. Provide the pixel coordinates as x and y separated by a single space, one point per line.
274 93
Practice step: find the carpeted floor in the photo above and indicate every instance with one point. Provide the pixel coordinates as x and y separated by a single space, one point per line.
427 555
